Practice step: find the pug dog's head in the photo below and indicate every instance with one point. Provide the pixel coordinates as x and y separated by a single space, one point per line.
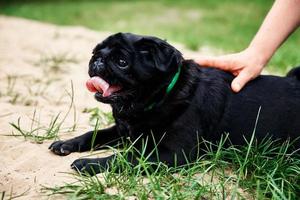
129 69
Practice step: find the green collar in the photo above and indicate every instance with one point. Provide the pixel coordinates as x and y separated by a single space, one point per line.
168 90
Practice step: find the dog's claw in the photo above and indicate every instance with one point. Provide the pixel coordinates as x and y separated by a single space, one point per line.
51 146
62 148
63 151
73 167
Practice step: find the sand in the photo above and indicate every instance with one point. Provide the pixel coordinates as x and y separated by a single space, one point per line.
29 81
38 61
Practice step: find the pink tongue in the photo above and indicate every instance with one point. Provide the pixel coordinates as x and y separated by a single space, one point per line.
96 83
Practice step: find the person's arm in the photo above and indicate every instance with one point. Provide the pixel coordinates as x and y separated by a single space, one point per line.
281 21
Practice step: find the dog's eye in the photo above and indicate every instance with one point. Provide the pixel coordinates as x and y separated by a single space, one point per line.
123 64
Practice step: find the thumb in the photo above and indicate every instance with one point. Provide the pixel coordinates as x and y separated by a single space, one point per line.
240 81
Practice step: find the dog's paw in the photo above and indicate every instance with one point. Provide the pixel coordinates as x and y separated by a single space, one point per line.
89 166
63 148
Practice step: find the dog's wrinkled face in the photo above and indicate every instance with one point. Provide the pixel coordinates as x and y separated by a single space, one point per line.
128 67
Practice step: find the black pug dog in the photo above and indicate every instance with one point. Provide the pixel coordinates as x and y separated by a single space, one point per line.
154 92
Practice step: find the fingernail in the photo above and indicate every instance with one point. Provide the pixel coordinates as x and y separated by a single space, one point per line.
236 87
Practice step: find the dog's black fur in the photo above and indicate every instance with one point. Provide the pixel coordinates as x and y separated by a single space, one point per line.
201 105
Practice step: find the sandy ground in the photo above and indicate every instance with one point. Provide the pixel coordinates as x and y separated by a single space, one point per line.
37 63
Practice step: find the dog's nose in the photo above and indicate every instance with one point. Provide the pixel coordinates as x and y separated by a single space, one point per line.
98 65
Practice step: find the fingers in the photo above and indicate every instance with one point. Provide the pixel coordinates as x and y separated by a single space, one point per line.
217 62
240 81
222 63
240 65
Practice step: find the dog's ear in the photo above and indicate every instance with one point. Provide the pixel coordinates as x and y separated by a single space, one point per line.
159 53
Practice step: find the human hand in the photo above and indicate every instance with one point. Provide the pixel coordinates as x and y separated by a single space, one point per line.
245 65
248 64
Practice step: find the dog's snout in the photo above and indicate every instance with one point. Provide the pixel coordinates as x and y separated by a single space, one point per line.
98 65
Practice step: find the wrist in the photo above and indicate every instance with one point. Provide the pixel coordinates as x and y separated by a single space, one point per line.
259 56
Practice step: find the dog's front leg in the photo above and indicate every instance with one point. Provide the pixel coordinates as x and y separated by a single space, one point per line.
84 142
93 166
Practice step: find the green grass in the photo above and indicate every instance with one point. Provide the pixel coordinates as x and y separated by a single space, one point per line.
39 132
10 89
227 25
105 119
4 195
265 170
256 171
55 63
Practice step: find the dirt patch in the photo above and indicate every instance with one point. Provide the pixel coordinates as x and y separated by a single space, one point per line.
38 61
